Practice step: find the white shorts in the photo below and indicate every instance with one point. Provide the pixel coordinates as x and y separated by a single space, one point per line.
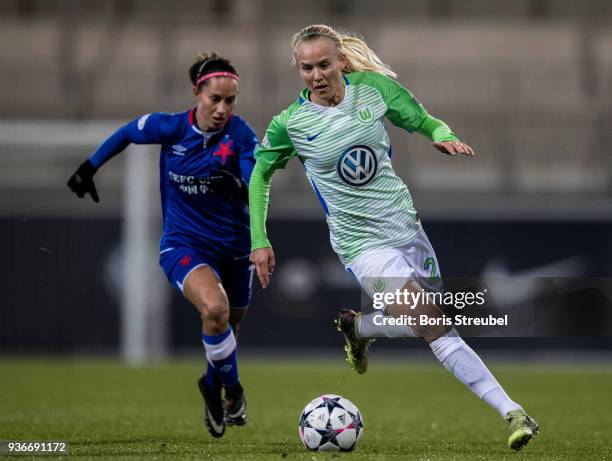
389 269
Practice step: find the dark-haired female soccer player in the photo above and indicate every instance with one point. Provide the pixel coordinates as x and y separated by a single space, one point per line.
206 162
336 129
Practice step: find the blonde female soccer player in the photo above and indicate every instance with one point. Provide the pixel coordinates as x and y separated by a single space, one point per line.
336 129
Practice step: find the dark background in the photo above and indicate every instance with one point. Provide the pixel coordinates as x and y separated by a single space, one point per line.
76 309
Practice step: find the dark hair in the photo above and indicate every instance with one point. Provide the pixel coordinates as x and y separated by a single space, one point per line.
208 62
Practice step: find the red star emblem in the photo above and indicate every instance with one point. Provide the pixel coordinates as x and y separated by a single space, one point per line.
224 151
185 260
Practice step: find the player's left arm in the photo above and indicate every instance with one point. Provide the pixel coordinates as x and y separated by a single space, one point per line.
247 147
405 111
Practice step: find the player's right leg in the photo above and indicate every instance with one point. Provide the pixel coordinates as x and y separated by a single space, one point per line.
356 348
195 276
203 289
372 270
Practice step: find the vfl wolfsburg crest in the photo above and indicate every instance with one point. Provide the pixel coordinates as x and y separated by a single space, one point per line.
365 115
357 165
378 285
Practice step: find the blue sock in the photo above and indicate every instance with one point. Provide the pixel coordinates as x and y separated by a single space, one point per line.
212 377
221 354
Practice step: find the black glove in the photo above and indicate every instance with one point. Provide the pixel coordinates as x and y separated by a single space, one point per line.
81 182
224 182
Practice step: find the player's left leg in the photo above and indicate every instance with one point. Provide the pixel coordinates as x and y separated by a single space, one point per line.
450 349
375 270
203 289
237 314
461 360
195 276
237 277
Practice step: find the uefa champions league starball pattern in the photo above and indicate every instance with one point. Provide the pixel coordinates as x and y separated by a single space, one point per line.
331 423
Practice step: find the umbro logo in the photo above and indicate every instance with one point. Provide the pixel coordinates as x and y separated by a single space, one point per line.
177 149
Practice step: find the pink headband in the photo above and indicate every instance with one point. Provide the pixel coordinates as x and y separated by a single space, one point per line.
203 78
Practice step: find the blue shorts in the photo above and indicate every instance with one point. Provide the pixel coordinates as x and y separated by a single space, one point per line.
236 274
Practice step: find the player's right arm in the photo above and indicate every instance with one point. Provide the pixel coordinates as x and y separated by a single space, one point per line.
273 153
148 129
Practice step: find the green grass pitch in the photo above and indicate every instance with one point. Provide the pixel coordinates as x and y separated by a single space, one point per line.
411 410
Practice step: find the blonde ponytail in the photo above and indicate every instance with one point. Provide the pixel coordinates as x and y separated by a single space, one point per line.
360 57
358 54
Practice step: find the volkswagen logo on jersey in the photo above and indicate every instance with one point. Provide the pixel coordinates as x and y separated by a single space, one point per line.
357 165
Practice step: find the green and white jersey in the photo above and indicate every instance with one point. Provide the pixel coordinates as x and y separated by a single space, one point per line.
345 151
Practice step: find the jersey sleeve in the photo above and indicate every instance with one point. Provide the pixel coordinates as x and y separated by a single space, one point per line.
152 128
276 148
404 110
274 152
246 148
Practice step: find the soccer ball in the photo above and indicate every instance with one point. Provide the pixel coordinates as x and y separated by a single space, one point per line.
331 423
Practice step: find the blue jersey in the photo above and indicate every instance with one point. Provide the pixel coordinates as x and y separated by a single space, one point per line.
215 224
